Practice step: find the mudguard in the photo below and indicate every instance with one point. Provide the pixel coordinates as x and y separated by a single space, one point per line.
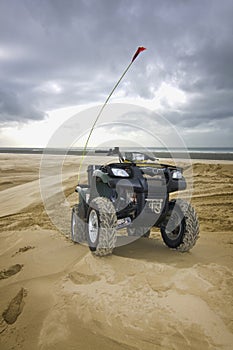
103 176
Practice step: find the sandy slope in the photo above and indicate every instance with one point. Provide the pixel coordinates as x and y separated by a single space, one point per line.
55 295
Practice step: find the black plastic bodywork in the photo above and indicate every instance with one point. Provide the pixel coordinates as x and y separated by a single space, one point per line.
142 195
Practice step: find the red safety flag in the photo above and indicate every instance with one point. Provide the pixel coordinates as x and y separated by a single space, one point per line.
140 49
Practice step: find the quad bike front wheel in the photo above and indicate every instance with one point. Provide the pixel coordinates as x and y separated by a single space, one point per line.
101 226
180 230
78 234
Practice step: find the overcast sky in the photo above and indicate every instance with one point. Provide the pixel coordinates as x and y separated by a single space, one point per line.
61 53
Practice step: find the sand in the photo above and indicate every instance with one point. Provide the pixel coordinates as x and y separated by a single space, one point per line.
55 295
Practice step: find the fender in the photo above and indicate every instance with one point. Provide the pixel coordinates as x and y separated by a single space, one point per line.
82 191
103 176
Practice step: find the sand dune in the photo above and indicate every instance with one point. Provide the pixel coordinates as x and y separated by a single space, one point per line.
55 295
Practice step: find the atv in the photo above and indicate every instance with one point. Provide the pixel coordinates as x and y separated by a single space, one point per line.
132 194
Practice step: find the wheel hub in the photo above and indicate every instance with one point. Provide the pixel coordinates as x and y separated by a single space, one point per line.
93 226
74 224
173 229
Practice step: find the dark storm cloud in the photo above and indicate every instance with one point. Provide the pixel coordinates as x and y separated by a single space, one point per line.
57 53
202 109
17 108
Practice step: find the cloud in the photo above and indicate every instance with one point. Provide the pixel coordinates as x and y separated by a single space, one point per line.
214 107
17 108
59 53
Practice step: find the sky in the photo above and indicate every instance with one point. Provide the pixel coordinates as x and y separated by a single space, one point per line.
59 57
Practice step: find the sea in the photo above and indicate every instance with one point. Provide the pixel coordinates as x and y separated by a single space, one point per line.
216 153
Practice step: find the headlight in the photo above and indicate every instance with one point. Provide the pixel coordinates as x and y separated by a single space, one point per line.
177 175
120 172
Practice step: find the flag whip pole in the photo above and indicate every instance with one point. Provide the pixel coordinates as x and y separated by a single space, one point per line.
140 49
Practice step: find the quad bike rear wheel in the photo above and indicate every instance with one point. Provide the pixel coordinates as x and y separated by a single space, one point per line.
180 230
78 232
101 226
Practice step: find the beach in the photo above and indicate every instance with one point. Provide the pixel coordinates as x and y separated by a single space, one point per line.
55 294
